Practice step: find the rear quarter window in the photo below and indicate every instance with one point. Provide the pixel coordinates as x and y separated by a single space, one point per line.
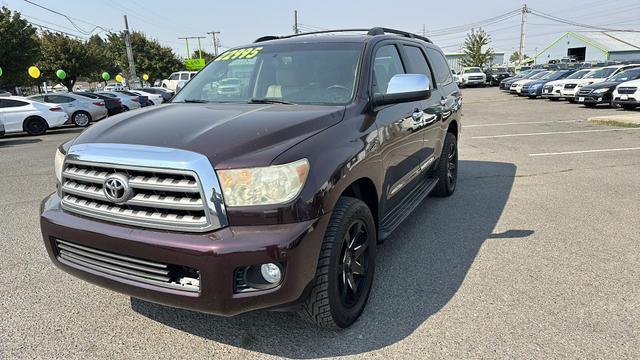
441 67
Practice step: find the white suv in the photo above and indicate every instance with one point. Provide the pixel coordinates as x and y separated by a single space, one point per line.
596 76
177 77
627 95
473 76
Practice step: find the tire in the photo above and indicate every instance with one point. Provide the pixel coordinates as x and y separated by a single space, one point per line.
125 108
81 118
553 99
35 126
332 303
590 105
571 101
628 107
532 97
151 103
447 170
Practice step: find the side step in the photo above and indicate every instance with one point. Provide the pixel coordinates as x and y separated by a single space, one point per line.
403 209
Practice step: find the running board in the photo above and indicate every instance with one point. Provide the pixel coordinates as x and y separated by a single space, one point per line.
404 209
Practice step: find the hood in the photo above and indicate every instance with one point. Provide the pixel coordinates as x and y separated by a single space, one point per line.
601 85
230 135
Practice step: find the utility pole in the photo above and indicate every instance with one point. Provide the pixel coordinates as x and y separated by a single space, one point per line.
296 30
424 30
523 23
186 39
214 41
127 40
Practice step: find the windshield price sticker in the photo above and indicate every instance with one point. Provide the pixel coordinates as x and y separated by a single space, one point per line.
246 53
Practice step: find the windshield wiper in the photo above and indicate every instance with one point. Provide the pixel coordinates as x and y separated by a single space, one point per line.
270 101
197 101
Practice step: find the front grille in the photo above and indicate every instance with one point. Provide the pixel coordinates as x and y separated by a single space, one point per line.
570 86
160 198
476 78
584 92
627 90
130 268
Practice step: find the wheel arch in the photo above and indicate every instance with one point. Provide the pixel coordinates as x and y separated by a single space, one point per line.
365 190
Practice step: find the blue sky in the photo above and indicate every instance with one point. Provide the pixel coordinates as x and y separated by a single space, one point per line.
241 22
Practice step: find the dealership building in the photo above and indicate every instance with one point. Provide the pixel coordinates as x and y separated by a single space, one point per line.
592 46
455 60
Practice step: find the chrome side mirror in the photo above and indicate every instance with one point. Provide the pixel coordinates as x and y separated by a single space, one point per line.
405 88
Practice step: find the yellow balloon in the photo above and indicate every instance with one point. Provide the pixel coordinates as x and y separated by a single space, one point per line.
119 78
34 72
145 77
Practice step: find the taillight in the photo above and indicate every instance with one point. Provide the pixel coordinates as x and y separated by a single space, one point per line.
99 103
117 101
136 99
55 109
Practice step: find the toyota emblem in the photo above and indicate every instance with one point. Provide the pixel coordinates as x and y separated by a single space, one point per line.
116 188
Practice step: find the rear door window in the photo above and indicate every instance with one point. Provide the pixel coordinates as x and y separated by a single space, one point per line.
184 76
10 103
386 64
417 61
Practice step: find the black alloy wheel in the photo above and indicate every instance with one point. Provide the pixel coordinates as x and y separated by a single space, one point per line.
354 264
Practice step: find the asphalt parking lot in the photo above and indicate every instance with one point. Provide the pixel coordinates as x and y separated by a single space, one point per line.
536 255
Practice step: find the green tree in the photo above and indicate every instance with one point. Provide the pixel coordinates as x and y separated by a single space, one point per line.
476 50
149 56
71 55
104 62
19 47
516 56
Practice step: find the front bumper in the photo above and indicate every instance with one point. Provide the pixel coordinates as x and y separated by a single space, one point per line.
633 99
556 92
216 255
593 98
473 82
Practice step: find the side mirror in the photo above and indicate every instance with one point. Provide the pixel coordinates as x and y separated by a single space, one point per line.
404 88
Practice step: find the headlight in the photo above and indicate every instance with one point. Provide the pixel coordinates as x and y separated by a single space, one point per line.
600 91
57 164
264 185
535 86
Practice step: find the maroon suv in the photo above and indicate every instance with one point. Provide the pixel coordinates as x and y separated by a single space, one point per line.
267 182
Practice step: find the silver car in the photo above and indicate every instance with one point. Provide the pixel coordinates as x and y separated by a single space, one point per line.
81 110
128 102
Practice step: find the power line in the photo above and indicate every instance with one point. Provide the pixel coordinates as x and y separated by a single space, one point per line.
481 23
77 27
56 30
573 23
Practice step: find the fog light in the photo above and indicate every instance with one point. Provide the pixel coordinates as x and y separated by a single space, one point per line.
271 273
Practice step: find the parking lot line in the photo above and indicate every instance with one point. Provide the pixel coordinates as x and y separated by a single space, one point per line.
584 151
521 123
551 133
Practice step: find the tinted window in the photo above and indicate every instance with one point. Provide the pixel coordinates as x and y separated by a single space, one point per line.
174 76
184 76
417 62
441 67
57 99
386 64
9 103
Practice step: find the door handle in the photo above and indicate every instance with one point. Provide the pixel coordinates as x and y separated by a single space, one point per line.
417 115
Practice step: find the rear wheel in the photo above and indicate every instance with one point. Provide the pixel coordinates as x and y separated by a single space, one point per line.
628 107
345 268
81 118
35 126
447 170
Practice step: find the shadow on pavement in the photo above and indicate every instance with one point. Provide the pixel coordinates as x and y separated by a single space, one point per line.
420 268
15 142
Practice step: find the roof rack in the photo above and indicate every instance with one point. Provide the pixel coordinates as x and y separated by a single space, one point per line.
372 32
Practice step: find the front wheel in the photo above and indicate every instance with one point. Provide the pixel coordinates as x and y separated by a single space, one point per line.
345 268
590 105
35 126
447 170
628 107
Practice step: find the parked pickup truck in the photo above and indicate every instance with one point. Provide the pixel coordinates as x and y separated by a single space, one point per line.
473 76
273 197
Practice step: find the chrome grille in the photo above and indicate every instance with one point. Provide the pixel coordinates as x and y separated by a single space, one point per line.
585 92
166 199
144 271
627 90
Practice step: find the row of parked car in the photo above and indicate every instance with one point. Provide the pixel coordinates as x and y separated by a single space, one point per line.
36 114
614 85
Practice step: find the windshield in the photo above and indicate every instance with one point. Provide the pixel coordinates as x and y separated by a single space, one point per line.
539 75
626 75
472 70
578 74
600 73
323 74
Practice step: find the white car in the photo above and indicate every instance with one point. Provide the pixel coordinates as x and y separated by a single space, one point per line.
553 89
627 95
516 87
155 99
181 76
18 114
473 76
594 77
114 87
